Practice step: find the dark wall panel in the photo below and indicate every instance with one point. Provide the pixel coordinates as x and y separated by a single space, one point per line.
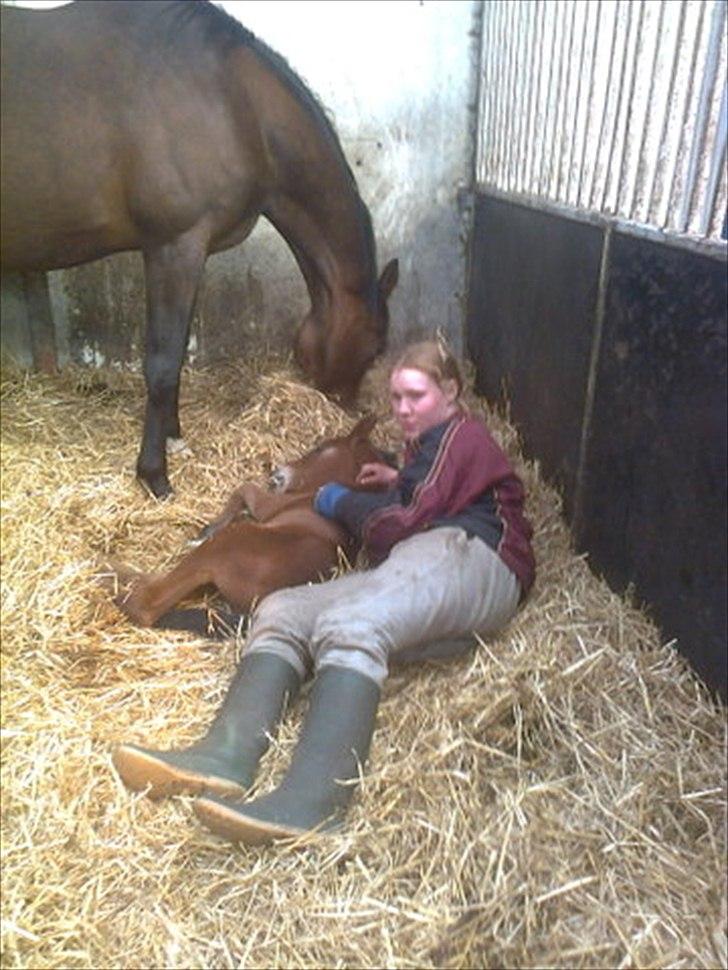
654 490
533 285
651 495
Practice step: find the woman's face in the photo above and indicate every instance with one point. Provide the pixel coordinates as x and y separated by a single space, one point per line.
418 402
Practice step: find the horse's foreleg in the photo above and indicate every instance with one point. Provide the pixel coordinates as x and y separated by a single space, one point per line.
261 504
235 506
173 273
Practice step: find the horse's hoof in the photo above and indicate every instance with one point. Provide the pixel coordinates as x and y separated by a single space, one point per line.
156 486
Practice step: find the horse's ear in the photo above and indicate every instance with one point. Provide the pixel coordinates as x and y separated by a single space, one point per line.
388 279
364 428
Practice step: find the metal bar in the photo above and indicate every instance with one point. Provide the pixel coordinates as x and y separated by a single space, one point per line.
642 161
549 102
590 102
718 163
537 140
501 47
558 128
603 123
673 183
484 120
509 117
525 105
622 180
565 102
716 248
709 75
611 105
617 110
579 100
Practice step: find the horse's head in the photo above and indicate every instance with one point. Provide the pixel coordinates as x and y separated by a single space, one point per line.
336 352
334 460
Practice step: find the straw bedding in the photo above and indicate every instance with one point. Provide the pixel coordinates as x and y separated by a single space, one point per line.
556 798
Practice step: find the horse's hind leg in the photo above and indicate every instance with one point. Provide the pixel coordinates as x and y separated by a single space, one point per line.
173 273
154 595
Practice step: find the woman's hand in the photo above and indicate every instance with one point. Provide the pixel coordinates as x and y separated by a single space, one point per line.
376 474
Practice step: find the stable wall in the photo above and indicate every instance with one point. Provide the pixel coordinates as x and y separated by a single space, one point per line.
611 349
397 80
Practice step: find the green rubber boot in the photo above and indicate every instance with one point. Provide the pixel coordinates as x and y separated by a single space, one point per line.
226 759
315 793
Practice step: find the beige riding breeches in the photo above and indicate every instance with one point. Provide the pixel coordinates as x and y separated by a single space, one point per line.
425 601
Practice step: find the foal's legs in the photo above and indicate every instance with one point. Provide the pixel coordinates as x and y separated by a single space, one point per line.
152 595
173 273
226 561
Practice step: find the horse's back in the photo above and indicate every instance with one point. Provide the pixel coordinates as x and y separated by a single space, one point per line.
115 131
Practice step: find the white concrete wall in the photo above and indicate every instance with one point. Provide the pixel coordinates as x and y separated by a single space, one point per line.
396 77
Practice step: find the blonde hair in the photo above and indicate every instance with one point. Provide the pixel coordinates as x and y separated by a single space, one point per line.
434 358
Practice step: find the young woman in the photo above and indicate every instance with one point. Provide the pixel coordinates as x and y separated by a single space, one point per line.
450 555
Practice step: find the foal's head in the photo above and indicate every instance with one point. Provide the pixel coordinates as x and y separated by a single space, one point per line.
334 460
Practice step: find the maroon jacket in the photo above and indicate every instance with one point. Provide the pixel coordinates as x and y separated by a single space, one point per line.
453 475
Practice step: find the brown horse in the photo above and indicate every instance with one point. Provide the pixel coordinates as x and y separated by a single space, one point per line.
285 543
169 128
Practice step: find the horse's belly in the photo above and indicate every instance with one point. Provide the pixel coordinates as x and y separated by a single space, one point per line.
36 236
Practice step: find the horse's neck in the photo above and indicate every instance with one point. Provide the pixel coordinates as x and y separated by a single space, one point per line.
334 254
311 198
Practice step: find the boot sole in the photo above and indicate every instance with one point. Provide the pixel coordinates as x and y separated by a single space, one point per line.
233 825
140 771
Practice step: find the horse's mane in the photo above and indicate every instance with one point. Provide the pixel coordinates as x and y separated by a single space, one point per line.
190 19
218 27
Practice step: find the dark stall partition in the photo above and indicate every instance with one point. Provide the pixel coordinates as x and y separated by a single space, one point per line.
611 348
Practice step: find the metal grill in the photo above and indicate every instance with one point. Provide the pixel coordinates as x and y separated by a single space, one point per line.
615 107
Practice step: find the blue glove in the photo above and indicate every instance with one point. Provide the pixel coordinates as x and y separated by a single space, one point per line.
327 497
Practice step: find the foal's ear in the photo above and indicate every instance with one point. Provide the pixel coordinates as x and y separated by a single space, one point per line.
364 428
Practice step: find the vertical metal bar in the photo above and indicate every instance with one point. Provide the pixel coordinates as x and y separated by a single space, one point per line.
579 103
717 165
672 182
526 107
484 121
558 117
603 123
502 95
508 120
475 93
563 135
518 105
537 129
642 163
623 181
617 110
534 57
709 75
590 102
591 383
495 89
549 102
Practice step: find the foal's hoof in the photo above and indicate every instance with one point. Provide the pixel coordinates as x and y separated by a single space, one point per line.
116 579
203 535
